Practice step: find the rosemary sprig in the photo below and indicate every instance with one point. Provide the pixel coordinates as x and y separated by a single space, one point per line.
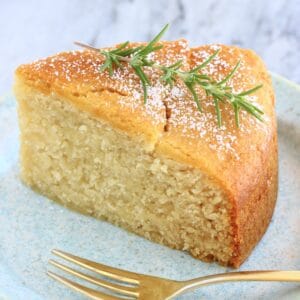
137 58
217 90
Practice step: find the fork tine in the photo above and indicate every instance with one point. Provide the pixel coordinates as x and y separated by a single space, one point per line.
126 290
121 275
82 289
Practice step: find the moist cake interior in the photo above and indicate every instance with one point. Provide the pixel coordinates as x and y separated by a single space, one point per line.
87 165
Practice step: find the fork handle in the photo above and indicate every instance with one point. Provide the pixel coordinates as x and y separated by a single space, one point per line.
289 276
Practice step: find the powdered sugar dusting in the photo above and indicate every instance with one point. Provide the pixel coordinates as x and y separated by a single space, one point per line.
203 127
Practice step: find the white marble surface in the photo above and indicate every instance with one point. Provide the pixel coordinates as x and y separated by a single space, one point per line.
32 29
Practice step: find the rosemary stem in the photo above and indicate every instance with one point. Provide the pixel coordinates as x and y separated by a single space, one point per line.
86 46
125 59
121 58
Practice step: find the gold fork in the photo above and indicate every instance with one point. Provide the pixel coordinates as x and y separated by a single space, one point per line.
130 285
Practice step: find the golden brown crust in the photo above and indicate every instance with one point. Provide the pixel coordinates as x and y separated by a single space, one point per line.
242 161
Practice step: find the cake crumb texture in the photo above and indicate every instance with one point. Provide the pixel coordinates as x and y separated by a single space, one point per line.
87 165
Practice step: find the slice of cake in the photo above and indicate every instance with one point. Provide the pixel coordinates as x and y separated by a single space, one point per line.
163 169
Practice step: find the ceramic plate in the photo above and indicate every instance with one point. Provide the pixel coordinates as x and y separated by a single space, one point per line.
32 225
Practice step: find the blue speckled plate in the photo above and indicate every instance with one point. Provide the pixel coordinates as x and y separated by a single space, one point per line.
31 225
